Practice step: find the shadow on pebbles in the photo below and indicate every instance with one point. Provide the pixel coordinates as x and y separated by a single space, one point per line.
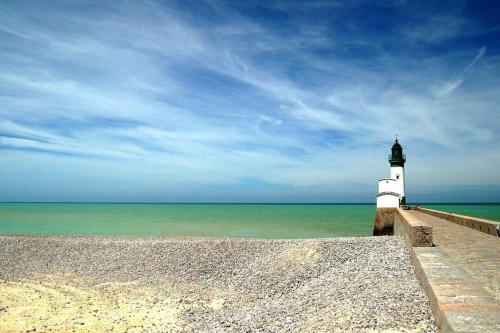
82 284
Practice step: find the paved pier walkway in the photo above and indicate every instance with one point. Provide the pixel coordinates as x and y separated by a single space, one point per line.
461 273
476 252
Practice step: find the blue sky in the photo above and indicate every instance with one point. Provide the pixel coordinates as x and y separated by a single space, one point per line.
247 101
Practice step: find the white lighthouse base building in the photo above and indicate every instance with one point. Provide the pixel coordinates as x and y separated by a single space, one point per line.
391 191
388 195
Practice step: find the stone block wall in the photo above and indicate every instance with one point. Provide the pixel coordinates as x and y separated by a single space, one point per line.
384 221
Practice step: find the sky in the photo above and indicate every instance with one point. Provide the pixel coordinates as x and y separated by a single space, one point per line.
248 101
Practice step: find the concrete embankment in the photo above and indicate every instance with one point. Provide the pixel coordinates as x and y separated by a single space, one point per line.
207 285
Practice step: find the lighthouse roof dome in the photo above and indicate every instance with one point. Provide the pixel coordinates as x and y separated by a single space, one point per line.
397 158
396 145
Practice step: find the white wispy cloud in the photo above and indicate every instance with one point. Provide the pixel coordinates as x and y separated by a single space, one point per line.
478 56
449 86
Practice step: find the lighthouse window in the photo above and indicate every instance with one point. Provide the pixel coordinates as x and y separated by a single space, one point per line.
397 176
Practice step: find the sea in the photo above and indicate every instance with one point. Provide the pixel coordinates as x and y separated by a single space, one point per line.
270 221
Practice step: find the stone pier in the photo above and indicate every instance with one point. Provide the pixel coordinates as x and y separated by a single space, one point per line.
456 259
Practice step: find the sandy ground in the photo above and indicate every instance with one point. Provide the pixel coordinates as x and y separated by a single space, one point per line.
52 303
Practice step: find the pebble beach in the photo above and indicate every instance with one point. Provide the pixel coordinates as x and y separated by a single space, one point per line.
89 284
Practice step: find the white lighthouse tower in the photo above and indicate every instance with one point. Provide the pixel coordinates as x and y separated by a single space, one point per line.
391 191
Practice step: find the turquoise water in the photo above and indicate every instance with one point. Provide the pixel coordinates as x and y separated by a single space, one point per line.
485 211
214 220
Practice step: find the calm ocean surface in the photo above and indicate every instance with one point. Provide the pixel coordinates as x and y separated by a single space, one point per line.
217 220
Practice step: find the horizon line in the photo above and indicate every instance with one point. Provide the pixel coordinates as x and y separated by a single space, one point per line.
236 203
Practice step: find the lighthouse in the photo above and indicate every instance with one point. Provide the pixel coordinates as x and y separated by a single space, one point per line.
391 191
